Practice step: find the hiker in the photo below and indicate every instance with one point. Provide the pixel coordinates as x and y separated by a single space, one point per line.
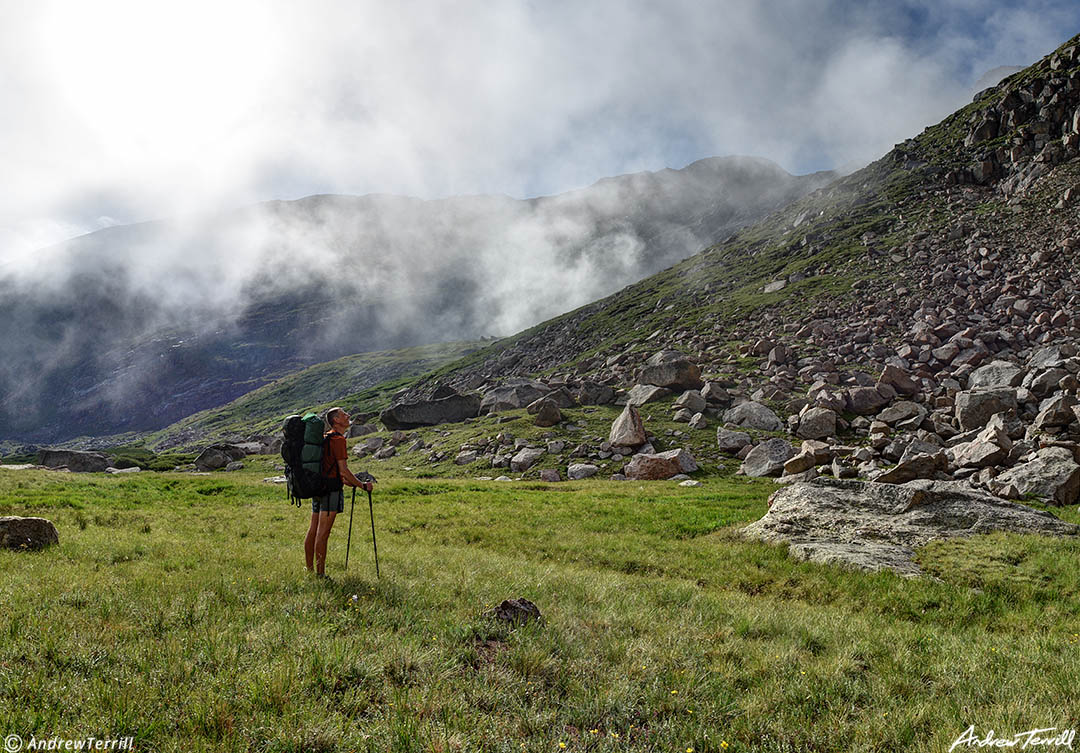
325 508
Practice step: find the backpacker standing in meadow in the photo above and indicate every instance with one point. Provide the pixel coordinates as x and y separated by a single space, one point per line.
319 469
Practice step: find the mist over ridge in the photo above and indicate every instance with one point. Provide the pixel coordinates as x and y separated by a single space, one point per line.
132 327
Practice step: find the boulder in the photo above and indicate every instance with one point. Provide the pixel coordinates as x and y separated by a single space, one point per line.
692 401
974 408
1052 475
512 396
752 415
1056 412
628 430
550 475
768 458
217 456
430 412
465 457
697 421
546 411
731 441
660 466
1044 383
671 369
920 465
878 526
640 394
865 401
78 462
899 380
360 430
525 459
996 375
578 471
902 411
593 393
27 533
800 463
817 423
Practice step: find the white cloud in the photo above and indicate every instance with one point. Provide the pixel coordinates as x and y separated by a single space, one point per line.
140 110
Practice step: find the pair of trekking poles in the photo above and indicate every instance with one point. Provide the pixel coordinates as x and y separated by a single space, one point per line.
366 478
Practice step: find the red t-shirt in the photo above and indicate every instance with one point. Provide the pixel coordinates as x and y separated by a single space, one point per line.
335 451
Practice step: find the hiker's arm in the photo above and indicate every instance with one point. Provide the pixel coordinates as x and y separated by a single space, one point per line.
349 479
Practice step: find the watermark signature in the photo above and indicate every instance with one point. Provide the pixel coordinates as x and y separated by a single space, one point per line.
16 744
1031 738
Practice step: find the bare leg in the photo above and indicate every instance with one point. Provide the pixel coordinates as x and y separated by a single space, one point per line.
326 522
309 542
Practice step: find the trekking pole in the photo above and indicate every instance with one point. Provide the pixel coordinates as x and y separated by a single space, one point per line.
348 543
371 509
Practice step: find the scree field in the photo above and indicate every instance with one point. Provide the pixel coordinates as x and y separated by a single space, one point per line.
176 609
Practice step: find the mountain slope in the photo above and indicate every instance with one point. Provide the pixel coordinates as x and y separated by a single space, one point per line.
133 328
923 244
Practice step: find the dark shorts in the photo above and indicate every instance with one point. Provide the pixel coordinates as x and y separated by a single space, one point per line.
332 502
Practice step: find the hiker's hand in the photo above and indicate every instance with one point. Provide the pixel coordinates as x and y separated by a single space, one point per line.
367 486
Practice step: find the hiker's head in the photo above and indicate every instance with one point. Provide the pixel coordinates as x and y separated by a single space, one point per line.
337 418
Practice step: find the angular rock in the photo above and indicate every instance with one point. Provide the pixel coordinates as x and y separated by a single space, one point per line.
516 612
27 533
878 526
899 380
731 441
217 456
465 457
1053 475
550 475
817 423
865 401
512 396
974 408
921 465
640 394
753 415
546 411
525 459
804 461
593 393
697 421
671 369
692 401
904 410
768 458
660 466
430 412
977 454
628 430
1056 412
578 471
996 375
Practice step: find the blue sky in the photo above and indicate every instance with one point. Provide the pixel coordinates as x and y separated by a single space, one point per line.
119 111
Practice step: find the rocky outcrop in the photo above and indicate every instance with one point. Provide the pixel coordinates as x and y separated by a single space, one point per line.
878 526
431 412
1052 475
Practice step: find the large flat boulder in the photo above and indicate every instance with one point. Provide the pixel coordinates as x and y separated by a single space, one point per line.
430 412
878 526
27 533
975 408
74 460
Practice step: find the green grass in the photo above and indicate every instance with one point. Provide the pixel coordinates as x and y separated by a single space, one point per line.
176 609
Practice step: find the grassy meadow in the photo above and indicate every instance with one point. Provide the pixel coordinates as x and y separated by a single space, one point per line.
176 609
